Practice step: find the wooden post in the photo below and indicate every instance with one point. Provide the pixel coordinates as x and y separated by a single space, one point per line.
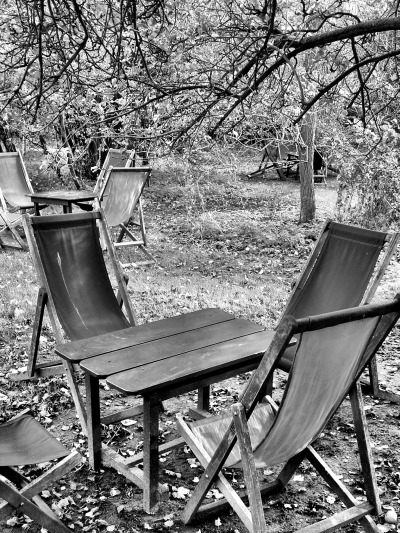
307 191
249 469
37 328
151 411
203 398
93 420
364 447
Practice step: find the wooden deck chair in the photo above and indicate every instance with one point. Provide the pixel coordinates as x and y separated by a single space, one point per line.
14 189
120 198
344 270
23 441
331 354
75 287
10 222
114 158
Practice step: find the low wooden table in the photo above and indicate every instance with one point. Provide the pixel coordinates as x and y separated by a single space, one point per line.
161 360
65 198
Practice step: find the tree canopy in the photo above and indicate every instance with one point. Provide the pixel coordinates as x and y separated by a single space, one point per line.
175 69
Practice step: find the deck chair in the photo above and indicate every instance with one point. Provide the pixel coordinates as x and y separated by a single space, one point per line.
115 158
331 354
344 270
15 187
75 287
23 441
120 198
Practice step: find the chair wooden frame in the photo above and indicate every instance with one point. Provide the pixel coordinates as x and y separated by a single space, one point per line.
124 230
45 301
22 495
391 243
284 158
10 213
10 221
113 156
238 431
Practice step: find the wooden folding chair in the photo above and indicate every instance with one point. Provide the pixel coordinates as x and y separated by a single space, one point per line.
23 441
344 270
15 187
75 287
332 351
120 197
115 158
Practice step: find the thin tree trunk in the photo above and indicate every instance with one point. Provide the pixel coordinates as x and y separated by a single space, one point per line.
75 178
306 168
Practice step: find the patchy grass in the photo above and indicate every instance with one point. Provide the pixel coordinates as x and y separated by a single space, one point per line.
220 241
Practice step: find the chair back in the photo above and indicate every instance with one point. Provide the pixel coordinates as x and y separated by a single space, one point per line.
339 273
332 352
115 158
23 441
284 149
325 366
14 181
70 259
121 193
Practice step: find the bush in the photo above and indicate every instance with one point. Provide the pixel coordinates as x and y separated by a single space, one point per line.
369 183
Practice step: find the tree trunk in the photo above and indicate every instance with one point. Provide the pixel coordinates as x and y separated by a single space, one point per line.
306 168
75 178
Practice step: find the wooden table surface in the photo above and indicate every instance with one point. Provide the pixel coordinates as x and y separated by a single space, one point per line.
61 197
161 360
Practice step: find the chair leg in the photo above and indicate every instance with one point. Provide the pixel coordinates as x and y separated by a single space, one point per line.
76 395
221 482
141 222
125 278
249 469
373 388
18 238
43 516
364 447
39 510
342 492
37 328
36 370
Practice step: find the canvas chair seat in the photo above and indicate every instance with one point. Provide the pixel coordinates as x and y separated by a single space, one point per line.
120 198
343 271
23 441
115 158
331 354
210 431
10 218
315 380
81 289
15 187
14 181
75 288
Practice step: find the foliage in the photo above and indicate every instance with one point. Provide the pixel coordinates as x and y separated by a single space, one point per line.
369 192
153 70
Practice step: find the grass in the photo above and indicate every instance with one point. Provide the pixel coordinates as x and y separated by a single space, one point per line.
220 241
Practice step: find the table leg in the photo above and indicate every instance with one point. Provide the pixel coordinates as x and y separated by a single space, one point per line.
93 420
37 210
67 209
151 411
203 398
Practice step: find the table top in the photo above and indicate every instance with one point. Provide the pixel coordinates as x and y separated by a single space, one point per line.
63 195
169 352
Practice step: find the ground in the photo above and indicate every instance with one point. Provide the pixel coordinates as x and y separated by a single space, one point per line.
220 240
